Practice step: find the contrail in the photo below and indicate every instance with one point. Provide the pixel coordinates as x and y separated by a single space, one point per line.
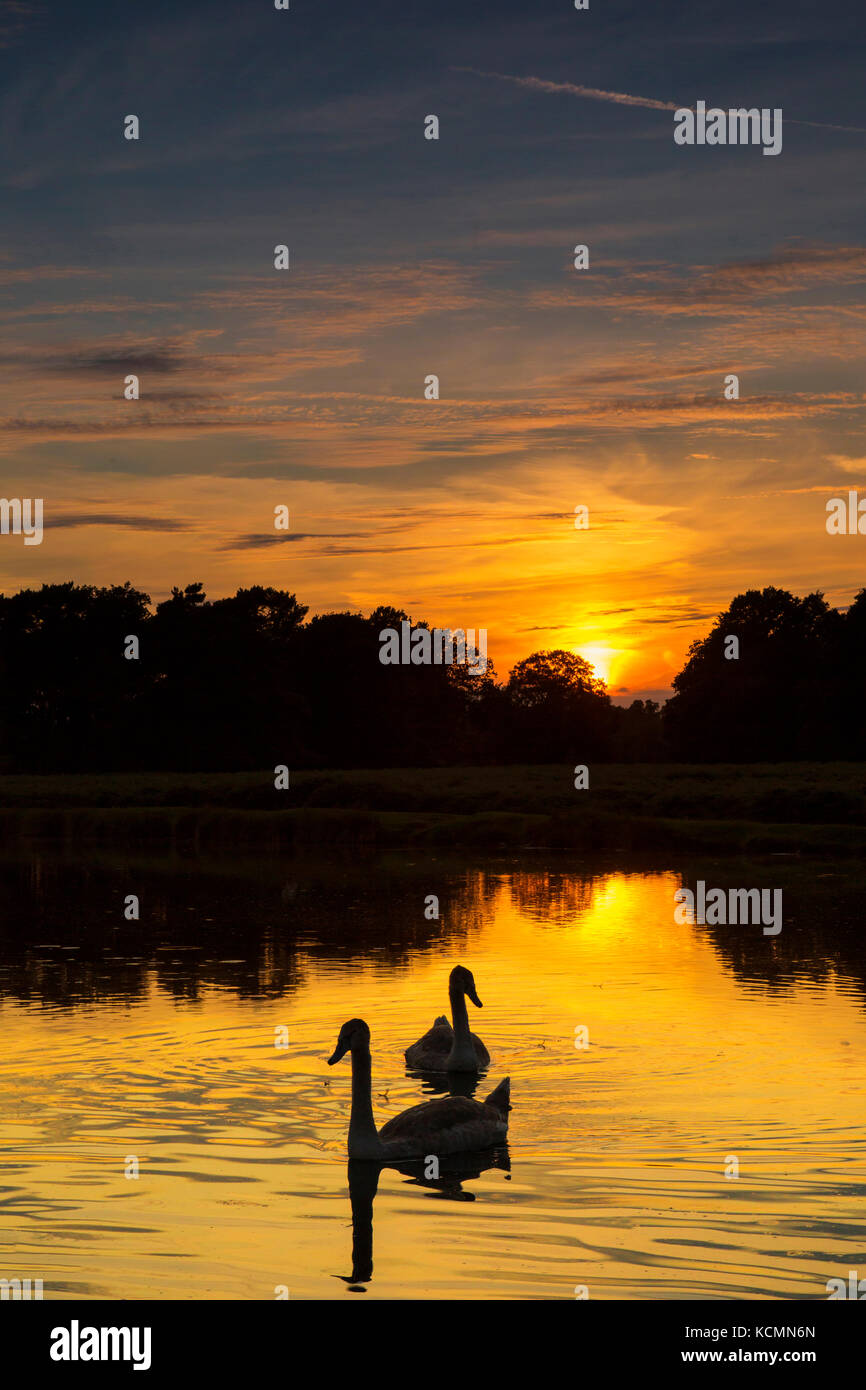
822 125
596 93
540 84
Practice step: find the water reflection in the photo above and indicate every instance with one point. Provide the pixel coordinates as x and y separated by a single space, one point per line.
156 1038
449 1083
363 1178
243 924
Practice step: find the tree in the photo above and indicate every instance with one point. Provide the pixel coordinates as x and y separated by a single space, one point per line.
68 697
768 702
559 708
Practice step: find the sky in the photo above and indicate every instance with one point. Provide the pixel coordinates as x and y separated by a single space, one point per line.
559 388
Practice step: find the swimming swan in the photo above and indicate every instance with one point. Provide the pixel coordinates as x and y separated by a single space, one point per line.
445 1048
452 1124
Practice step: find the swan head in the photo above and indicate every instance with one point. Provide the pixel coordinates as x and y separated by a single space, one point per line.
355 1033
462 979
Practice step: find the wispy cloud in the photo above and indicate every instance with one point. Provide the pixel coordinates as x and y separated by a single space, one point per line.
15 17
133 523
255 541
576 89
540 84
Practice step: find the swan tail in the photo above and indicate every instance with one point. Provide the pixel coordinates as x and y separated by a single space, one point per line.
500 1099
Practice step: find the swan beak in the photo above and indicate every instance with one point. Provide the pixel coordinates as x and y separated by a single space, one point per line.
339 1051
474 997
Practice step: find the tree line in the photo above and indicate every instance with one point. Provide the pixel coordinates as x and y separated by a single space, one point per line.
250 681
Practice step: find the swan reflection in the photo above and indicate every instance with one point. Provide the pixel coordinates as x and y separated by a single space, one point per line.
453 1171
451 1083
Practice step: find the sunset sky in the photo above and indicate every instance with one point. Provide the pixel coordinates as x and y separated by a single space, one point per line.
559 387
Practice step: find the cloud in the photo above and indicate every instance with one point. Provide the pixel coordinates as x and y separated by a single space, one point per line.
733 291
15 16
38 274
847 464
119 360
250 542
156 360
790 268
134 523
824 125
672 614
254 541
491 432
539 84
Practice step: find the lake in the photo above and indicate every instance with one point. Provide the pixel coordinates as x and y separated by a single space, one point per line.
150 1046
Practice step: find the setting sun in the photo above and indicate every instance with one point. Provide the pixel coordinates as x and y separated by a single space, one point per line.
602 658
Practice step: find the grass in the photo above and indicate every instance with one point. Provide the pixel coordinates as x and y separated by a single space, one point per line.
791 807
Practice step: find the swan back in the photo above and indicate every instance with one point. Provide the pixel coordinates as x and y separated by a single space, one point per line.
452 1124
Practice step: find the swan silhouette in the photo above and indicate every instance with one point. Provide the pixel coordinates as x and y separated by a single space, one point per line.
444 1048
450 1124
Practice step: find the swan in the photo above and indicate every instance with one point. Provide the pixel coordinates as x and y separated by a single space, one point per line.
452 1124
445 1048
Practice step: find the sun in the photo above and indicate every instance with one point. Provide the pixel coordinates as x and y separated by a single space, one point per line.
600 656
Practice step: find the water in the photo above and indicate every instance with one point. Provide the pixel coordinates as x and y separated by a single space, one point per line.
155 1042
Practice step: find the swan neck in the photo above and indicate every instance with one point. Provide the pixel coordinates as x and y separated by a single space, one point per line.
362 1127
459 1015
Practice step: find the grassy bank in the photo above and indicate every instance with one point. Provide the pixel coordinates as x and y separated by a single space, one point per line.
806 808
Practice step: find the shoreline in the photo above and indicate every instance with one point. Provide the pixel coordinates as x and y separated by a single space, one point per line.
807 809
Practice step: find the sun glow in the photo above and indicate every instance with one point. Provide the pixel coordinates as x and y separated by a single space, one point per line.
601 657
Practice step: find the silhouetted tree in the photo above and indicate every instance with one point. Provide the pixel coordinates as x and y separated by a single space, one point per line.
248 682
68 696
771 701
638 735
559 708
224 680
